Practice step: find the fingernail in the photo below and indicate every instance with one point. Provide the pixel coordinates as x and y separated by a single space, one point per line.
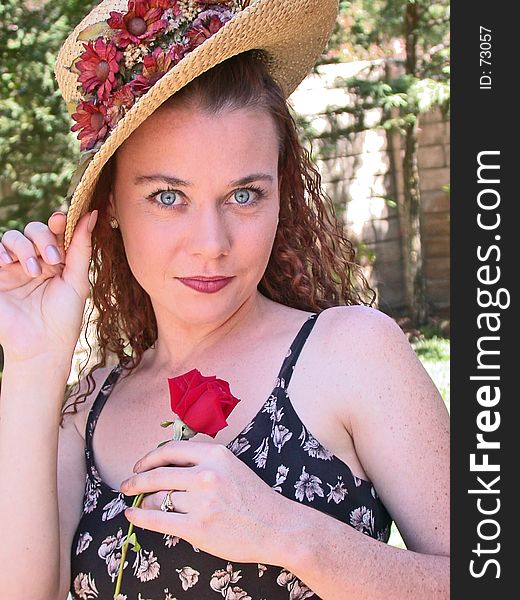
137 467
33 266
6 258
52 253
57 212
92 221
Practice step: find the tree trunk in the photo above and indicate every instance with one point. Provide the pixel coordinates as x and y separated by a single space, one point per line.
409 207
413 261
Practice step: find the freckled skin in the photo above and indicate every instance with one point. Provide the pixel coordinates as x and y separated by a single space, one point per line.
375 380
208 233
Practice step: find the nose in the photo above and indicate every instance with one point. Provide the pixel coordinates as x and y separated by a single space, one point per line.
209 234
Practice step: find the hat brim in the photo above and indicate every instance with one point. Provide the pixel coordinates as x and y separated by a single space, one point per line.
291 34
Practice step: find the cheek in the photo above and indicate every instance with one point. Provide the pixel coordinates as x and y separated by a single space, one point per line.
255 244
146 251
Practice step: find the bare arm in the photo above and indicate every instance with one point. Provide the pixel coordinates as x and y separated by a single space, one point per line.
42 301
30 405
400 429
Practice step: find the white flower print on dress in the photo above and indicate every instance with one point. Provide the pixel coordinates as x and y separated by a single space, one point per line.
236 593
281 382
338 492
357 481
277 416
362 519
188 576
261 569
85 586
281 476
146 567
84 540
297 589
110 552
308 485
270 405
240 445
313 447
221 579
171 540
113 508
168 595
280 436
261 454
92 493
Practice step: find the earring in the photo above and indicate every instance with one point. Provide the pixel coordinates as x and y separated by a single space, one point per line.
113 223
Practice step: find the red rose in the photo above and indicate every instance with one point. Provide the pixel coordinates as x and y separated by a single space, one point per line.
202 403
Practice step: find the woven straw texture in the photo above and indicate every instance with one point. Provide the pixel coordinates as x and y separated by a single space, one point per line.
291 33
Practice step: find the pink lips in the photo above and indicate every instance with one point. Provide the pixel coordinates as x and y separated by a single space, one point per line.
208 286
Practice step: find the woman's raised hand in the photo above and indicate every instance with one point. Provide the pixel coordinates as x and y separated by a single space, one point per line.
43 290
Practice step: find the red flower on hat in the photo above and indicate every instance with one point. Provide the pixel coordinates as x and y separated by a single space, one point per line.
165 4
119 103
98 66
198 34
177 52
142 22
92 120
156 65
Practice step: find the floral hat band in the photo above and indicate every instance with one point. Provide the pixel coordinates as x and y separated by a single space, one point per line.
129 52
126 57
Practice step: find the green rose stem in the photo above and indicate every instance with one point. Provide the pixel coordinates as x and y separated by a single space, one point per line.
180 432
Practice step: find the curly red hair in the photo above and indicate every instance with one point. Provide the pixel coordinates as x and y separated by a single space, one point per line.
311 266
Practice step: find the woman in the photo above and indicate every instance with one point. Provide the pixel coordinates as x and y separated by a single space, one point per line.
295 497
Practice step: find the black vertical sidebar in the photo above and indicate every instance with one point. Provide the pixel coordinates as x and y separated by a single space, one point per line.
485 231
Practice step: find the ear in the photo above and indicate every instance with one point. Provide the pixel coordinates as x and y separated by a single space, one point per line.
111 209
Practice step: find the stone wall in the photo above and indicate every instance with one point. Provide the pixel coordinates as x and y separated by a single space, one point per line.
362 173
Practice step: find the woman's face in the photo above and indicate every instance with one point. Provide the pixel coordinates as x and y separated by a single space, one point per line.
184 208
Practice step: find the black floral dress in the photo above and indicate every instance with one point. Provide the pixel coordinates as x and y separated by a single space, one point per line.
280 449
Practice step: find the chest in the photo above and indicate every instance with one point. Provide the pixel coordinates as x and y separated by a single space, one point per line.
128 427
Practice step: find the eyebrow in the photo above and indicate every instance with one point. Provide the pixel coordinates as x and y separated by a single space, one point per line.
172 180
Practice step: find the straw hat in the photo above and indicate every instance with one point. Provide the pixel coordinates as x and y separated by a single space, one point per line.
126 57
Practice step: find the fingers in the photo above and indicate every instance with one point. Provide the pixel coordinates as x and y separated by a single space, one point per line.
23 250
37 242
181 453
57 222
5 257
76 271
179 500
162 478
162 522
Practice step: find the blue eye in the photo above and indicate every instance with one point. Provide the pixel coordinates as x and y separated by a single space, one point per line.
242 196
246 197
167 197
163 198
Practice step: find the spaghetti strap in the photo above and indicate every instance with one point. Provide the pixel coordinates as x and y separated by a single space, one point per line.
95 411
291 357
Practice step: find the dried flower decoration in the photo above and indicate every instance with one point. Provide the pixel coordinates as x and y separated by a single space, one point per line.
128 53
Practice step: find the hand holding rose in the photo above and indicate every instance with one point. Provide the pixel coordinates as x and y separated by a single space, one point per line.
221 506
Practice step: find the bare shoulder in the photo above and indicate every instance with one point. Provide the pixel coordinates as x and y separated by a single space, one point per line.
83 407
367 352
397 419
364 322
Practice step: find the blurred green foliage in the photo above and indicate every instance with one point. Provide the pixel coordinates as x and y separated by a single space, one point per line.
375 30
37 150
